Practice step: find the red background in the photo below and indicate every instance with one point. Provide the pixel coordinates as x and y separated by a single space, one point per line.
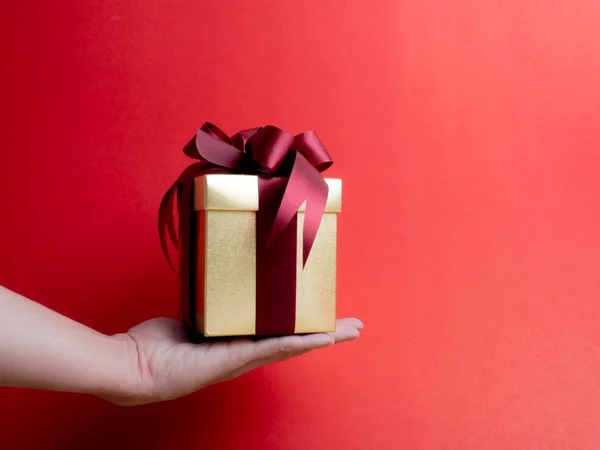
468 136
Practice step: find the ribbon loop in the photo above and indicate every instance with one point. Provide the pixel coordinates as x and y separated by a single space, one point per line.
217 152
311 147
215 132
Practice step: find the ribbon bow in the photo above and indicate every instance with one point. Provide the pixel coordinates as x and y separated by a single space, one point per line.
268 152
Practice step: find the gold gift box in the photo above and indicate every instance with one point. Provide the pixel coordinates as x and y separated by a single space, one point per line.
225 275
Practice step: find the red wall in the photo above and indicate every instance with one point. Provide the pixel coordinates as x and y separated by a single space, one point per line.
468 136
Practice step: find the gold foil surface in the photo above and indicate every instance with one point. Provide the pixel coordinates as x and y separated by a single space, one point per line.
230 273
226 192
226 256
316 284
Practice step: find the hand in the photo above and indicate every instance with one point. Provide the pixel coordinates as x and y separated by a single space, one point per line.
166 365
153 361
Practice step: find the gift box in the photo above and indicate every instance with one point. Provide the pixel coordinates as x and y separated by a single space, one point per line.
256 234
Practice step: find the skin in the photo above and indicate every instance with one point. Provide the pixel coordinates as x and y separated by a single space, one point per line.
152 362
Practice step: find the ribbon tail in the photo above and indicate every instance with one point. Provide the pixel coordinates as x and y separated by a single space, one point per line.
315 208
166 224
171 223
166 218
305 184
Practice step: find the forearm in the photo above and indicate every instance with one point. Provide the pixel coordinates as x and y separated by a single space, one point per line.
42 349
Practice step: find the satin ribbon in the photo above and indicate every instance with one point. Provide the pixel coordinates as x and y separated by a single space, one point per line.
289 174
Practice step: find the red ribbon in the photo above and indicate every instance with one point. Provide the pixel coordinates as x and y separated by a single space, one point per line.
289 175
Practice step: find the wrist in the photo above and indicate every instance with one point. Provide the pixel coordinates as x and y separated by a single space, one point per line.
122 384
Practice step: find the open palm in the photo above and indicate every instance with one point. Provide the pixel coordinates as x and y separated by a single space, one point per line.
168 365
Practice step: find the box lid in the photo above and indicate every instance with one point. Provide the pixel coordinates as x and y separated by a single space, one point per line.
227 192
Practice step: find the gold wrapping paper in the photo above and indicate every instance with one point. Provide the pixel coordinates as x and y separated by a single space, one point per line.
226 208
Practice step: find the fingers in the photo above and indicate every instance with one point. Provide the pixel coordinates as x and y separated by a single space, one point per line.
288 346
347 330
352 321
243 355
277 349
